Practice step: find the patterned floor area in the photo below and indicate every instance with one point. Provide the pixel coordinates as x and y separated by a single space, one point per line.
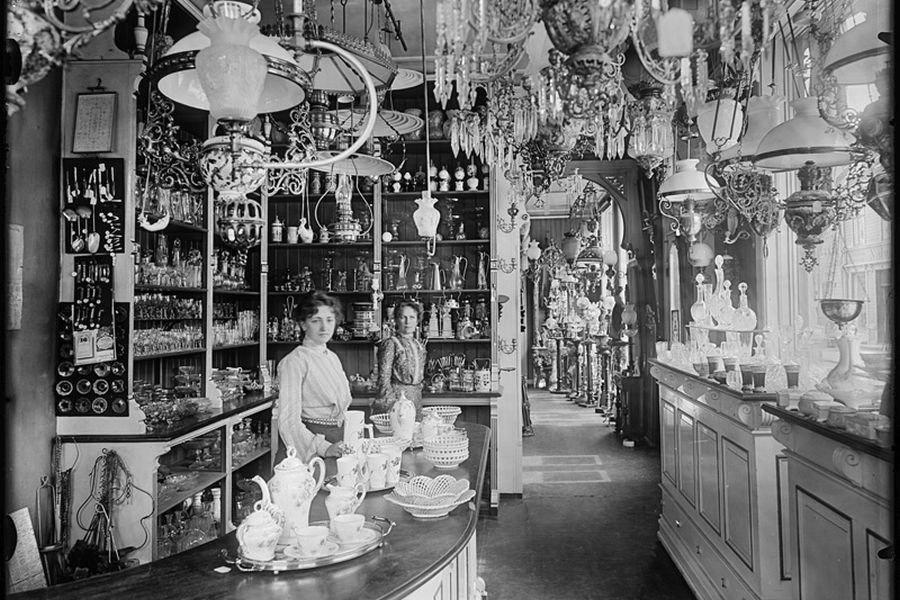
585 527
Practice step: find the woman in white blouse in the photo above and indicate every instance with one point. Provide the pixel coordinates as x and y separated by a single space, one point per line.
314 392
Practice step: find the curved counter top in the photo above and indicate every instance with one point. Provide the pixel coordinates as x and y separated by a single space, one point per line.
418 557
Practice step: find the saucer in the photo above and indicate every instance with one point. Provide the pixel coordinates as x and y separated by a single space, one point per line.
328 548
366 536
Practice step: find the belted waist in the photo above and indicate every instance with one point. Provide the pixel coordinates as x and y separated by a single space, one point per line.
325 422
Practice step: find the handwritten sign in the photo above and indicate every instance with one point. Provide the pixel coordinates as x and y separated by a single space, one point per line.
95 117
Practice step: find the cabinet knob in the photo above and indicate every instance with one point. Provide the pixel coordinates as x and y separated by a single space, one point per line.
677 523
886 553
724 583
699 550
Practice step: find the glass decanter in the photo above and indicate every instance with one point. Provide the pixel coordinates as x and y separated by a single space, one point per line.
727 312
776 379
744 316
715 301
699 309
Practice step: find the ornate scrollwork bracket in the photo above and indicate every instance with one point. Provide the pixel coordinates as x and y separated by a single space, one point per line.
508 346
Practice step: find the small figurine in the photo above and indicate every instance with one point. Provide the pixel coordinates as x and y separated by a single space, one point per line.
472 181
397 182
459 174
432 177
444 176
407 182
486 173
324 235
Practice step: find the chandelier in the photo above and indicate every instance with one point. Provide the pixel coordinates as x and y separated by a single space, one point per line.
651 140
478 42
43 34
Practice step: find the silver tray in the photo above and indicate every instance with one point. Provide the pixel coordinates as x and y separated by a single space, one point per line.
283 562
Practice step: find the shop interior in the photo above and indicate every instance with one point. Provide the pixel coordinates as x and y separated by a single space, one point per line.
645 245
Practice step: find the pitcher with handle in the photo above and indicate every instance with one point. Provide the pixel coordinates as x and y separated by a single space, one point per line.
293 488
457 279
343 500
403 419
438 277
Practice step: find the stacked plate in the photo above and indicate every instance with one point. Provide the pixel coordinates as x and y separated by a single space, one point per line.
430 498
447 413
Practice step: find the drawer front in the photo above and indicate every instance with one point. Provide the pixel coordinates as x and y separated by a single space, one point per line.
720 580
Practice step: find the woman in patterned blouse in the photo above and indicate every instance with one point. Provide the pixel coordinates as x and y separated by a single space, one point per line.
402 361
313 391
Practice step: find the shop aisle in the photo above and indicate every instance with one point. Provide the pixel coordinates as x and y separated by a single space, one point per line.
585 527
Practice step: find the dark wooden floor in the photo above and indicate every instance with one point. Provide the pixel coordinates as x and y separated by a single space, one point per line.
586 525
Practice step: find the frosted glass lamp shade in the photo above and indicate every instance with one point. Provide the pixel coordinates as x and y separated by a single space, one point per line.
720 123
231 73
675 32
857 56
177 77
806 137
686 182
763 115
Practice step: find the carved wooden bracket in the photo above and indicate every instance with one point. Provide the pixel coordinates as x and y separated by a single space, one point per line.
847 462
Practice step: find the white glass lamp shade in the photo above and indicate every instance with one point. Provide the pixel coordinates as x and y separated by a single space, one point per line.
857 56
763 115
178 80
685 183
675 31
332 74
720 123
806 137
610 258
700 255
231 73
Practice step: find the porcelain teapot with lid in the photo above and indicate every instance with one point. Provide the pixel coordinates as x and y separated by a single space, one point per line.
293 488
403 418
260 531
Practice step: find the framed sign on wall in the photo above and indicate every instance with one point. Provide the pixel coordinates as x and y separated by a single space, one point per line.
95 118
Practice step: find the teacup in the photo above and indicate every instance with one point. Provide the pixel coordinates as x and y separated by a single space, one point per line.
311 539
348 528
377 463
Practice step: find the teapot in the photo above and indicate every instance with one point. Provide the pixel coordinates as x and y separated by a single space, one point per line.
259 532
403 418
293 488
305 232
344 500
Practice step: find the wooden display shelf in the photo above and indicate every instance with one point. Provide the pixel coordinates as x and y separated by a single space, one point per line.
235 346
366 244
168 319
452 194
182 227
438 243
456 341
351 342
227 292
246 460
333 293
434 292
168 288
173 499
184 352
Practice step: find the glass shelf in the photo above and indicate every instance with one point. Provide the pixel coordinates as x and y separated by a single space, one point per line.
168 288
184 352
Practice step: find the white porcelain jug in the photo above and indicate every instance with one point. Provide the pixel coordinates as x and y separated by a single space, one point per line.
293 488
344 500
403 418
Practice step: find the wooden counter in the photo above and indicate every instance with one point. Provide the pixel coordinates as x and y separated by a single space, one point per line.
722 513
840 493
420 558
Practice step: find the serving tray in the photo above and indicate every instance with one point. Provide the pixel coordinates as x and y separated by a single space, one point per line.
377 529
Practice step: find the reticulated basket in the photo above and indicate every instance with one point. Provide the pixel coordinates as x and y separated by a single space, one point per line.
447 413
382 423
446 451
422 486
431 512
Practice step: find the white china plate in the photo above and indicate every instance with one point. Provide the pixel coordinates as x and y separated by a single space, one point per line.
328 548
406 78
366 536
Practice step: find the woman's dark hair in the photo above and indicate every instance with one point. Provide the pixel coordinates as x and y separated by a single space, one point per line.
311 301
408 304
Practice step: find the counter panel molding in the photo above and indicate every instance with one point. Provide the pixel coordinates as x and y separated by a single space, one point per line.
841 507
722 520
